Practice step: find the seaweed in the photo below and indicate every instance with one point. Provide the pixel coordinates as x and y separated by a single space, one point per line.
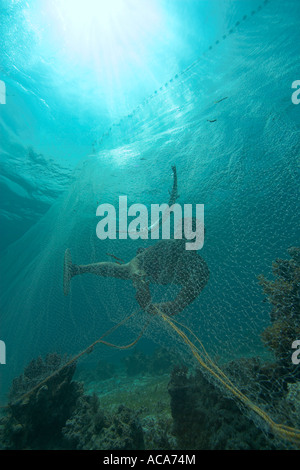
283 294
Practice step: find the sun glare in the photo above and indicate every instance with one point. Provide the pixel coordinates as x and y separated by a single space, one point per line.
98 50
80 15
90 28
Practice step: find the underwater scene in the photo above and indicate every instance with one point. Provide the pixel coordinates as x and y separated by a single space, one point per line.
149 214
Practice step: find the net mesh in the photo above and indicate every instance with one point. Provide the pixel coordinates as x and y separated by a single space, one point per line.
235 143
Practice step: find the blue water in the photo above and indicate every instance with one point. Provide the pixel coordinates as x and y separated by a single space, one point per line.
205 86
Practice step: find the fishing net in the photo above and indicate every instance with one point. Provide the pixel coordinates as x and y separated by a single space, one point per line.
234 137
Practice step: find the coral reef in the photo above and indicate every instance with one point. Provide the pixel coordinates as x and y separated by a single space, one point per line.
89 428
85 423
293 397
144 412
35 422
283 293
203 418
58 415
264 377
158 433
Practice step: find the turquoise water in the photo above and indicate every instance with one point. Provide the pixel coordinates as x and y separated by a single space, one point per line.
92 113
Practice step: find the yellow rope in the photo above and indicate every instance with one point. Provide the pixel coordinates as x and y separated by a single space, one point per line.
88 350
286 432
204 350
